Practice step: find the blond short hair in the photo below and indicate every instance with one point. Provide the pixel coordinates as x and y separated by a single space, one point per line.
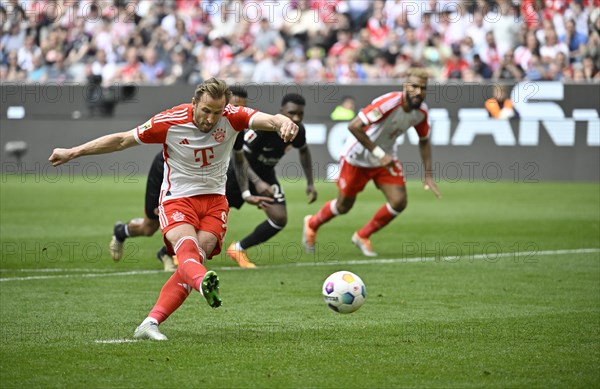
215 88
418 72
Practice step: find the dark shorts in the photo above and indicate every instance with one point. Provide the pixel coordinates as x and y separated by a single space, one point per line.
155 178
234 194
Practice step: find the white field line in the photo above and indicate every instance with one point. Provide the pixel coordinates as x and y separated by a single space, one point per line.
111 341
85 275
492 257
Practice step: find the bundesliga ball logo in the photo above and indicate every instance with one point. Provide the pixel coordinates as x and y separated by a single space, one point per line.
344 292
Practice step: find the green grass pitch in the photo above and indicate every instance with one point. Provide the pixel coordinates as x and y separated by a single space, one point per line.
494 285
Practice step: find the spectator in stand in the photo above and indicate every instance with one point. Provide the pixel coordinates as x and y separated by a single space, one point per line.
579 15
27 53
590 70
435 55
467 49
14 39
523 54
508 70
477 31
152 68
348 70
481 68
106 70
270 68
267 36
458 22
381 69
181 67
552 47
377 26
314 63
358 11
575 40
304 28
216 56
39 71
366 52
504 25
59 71
592 49
454 66
131 71
344 43
13 71
490 53
536 70
412 48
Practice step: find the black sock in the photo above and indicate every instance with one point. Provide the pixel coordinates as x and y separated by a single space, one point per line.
261 233
119 232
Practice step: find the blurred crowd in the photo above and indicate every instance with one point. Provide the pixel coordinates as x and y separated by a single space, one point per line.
163 42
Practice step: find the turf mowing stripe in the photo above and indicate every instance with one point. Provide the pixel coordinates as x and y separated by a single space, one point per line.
493 256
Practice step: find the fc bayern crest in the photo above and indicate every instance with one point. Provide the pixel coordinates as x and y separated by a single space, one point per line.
219 135
178 216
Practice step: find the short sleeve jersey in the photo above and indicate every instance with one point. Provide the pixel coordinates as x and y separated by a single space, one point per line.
195 162
385 120
263 149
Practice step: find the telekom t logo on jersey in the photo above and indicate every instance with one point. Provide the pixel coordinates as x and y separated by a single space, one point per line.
204 155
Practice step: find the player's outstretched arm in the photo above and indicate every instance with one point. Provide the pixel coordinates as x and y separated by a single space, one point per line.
287 129
428 182
103 145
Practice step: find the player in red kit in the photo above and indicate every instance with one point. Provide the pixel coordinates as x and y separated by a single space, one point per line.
197 140
370 155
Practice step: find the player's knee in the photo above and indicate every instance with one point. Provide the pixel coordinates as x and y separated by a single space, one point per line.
399 205
279 221
343 208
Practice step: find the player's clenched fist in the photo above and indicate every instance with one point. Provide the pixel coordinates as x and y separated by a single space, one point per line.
288 131
60 156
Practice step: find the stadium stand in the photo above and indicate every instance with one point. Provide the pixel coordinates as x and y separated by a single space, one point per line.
161 42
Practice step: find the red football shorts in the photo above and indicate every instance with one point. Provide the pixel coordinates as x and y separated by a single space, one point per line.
353 179
205 212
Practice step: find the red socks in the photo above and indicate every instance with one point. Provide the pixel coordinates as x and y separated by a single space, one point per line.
325 214
382 217
189 274
172 295
190 257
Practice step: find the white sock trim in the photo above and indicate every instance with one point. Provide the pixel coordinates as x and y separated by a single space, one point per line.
180 241
126 230
333 207
391 210
274 225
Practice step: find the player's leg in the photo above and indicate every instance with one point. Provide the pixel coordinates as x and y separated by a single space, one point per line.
276 221
352 180
148 225
394 190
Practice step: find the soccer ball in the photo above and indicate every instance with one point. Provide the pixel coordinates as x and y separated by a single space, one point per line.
344 292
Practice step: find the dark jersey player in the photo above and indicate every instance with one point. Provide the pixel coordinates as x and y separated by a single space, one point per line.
263 152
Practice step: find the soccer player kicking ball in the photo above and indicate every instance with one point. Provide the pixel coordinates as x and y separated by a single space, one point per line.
197 141
371 155
149 224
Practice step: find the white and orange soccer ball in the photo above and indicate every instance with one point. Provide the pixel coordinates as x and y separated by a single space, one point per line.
344 292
